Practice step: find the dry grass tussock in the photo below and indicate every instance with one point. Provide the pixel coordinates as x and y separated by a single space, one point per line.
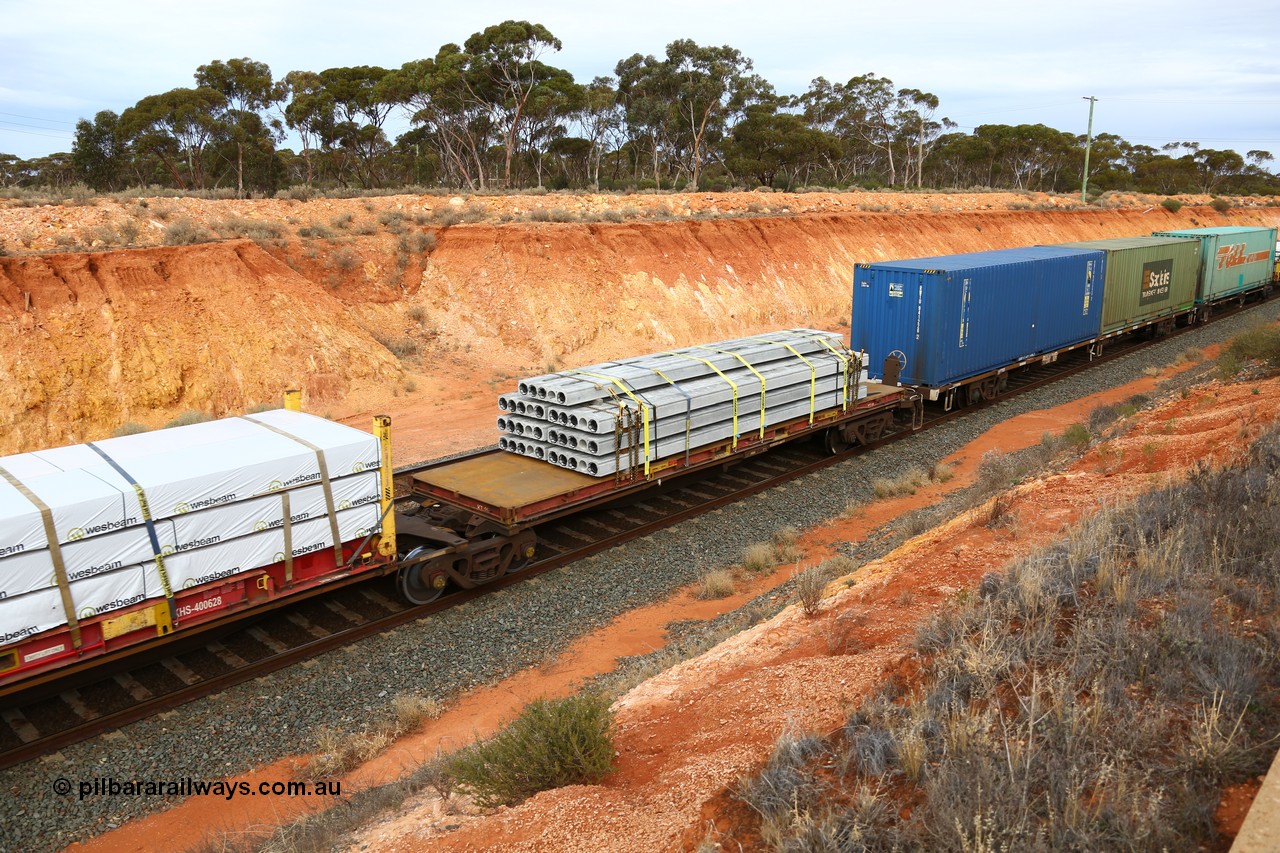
337 752
781 548
1096 696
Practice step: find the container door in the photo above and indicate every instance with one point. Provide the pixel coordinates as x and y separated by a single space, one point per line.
886 305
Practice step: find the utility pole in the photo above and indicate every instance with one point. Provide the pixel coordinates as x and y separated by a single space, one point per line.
1084 184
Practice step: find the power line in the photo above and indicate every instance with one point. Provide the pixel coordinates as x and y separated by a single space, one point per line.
1188 101
29 133
1024 109
32 126
37 118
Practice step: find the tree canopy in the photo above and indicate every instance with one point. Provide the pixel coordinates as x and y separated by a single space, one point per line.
496 112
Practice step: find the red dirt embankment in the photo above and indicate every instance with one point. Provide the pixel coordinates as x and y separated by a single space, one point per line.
93 340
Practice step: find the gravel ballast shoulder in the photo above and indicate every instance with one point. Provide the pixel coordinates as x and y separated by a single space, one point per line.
488 639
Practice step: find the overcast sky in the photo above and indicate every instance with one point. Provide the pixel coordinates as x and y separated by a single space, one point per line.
1163 71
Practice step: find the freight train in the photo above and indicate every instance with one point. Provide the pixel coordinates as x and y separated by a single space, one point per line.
955 327
115 546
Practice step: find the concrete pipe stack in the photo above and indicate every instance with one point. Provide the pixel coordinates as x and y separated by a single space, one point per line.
221 497
623 414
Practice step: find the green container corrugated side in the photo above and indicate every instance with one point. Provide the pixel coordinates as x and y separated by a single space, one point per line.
1233 258
1147 278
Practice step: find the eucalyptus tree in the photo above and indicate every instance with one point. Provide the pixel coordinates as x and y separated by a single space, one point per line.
505 66
10 170
601 120
915 118
962 160
872 105
550 104
1030 156
445 99
99 153
362 99
824 107
767 143
1215 167
309 113
713 87
174 126
646 92
1108 155
685 103
248 88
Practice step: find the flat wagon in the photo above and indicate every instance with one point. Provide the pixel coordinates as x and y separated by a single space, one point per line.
117 544
479 514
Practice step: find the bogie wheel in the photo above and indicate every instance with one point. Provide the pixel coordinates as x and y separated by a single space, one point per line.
524 546
834 442
973 393
422 583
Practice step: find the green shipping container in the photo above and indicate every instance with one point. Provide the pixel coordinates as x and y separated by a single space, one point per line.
1147 279
1233 259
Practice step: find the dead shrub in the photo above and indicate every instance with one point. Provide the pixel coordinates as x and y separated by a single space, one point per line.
810 584
784 541
184 232
717 584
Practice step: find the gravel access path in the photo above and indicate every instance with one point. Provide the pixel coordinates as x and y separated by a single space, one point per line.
488 639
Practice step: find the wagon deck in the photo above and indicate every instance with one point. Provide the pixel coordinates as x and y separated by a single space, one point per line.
518 491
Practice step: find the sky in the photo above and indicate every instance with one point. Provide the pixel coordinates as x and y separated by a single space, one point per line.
1163 72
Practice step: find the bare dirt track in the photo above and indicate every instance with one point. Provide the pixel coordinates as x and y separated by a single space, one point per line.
376 306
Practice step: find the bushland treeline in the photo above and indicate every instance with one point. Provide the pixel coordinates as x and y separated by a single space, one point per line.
494 114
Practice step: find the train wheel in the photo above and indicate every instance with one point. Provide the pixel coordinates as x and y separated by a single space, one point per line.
423 583
525 546
834 442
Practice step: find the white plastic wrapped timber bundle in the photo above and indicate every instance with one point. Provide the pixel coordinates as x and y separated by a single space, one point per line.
624 415
96 527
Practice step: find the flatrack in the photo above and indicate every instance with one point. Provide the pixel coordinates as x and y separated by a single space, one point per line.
517 492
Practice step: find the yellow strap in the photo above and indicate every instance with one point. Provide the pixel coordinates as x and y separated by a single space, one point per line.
145 506
324 479
747 365
844 360
813 373
55 551
644 411
732 384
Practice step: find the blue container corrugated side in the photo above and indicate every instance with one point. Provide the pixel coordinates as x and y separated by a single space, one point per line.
957 316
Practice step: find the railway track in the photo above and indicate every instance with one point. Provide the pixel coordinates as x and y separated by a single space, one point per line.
49 717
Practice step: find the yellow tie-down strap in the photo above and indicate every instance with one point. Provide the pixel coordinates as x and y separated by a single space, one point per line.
813 372
733 385
748 366
644 411
55 552
844 361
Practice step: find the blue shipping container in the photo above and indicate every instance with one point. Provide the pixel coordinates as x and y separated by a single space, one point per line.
958 316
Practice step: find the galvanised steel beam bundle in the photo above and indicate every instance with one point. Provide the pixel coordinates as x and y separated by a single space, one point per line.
620 415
